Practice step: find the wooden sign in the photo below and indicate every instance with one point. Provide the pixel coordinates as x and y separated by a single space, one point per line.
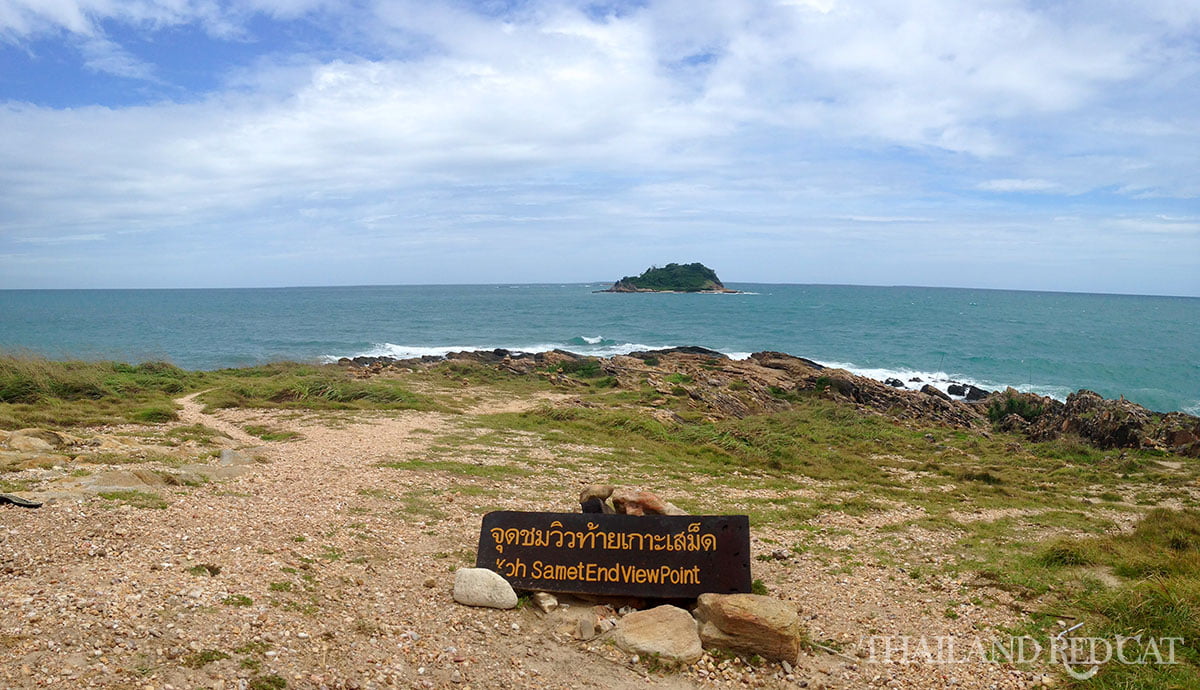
654 556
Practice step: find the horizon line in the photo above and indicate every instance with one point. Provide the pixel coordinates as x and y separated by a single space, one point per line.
590 282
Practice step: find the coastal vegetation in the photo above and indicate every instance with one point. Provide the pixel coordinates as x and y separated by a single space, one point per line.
35 392
1057 531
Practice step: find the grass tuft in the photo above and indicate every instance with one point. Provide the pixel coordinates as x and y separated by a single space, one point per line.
137 499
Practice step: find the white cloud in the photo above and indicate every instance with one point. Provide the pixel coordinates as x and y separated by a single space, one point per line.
102 55
62 239
1156 225
1018 185
888 219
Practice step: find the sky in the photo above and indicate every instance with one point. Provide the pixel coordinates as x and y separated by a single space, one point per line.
974 143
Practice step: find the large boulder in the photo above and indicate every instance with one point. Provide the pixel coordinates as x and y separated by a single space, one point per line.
751 624
666 631
593 498
38 440
483 587
630 501
975 393
1107 423
230 457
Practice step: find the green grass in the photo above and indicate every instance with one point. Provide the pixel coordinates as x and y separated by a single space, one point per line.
198 433
36 392
137 499
205 570
271 433
1159 594
9 485
1002 406
587 368
271 682
302 386
461 468
203 657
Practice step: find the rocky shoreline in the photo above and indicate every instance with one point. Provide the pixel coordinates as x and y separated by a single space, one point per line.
724 387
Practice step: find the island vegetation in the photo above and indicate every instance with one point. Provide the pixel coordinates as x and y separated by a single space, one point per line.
694 277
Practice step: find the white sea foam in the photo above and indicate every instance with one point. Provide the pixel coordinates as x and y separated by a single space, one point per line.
941 380
596 346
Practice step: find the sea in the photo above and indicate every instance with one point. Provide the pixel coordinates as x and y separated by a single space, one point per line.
1144 348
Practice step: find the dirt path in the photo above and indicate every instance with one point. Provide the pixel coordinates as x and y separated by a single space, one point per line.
192 412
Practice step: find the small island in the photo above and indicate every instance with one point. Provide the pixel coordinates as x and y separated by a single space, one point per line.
694 277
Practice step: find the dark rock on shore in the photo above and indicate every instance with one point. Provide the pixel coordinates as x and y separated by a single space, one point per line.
928 389
685 350
967 391
976 394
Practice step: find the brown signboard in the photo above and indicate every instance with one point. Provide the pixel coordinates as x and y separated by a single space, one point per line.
654 556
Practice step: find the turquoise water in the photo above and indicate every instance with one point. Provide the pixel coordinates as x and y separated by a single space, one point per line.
1145 348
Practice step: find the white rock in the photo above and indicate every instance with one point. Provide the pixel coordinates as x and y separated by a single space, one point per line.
545 601
667 631
483 587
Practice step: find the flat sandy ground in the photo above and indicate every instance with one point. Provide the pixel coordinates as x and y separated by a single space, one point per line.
323 568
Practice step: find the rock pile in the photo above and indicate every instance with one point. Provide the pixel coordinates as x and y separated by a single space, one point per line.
748 624
625 501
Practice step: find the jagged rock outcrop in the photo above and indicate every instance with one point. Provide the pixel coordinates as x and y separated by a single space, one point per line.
718 387
1119 423
1099 421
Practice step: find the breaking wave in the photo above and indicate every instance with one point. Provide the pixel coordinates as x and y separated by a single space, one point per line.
914 379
